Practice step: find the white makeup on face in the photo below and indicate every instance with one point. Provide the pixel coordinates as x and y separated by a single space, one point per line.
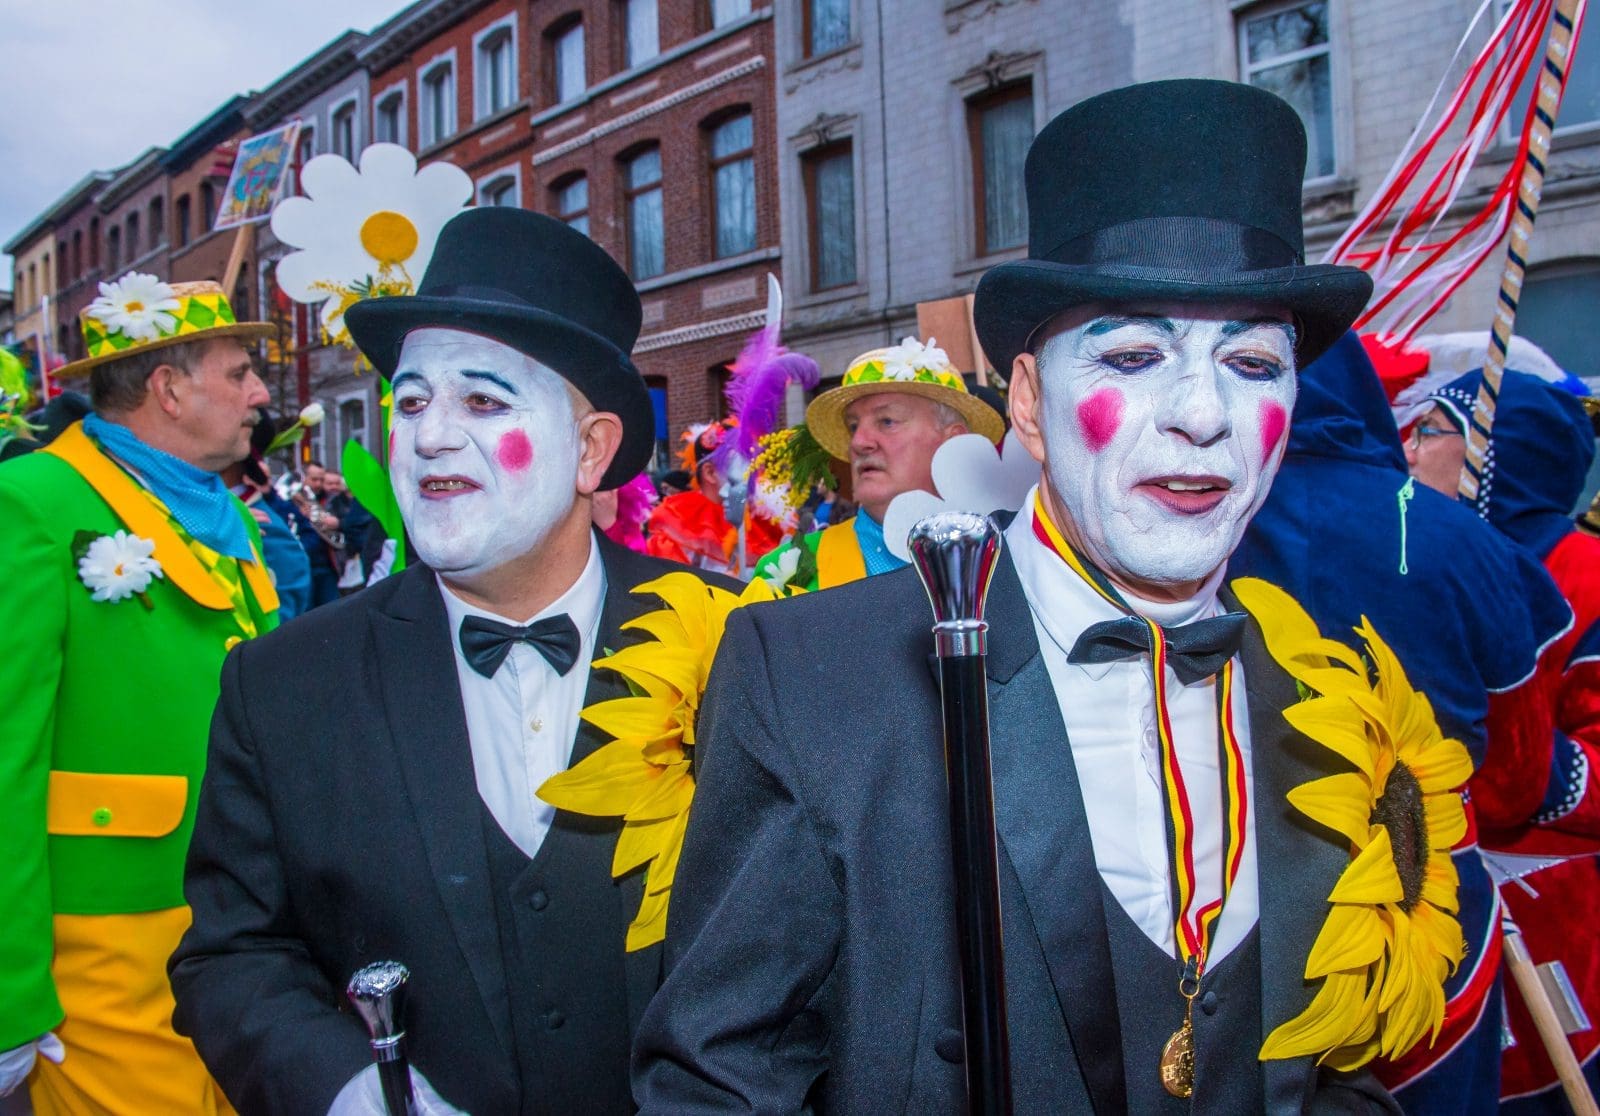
1162 433
483 450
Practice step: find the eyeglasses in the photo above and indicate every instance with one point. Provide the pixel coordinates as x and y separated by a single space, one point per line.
1420 431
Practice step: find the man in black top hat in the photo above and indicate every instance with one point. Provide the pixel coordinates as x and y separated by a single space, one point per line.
390 811
1151 338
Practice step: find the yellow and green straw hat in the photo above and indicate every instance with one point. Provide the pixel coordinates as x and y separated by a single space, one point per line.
140 312
910 367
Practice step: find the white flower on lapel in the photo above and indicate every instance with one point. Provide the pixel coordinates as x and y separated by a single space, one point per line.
119 566
783 568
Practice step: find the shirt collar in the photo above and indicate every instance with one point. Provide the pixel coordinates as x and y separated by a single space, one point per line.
582 601
1064 604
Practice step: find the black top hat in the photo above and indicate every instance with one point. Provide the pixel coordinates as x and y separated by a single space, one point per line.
1171 191
545 289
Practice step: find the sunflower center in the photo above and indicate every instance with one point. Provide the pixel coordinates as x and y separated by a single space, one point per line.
389 237
1399 810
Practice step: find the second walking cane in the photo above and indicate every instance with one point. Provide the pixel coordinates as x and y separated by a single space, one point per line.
955 555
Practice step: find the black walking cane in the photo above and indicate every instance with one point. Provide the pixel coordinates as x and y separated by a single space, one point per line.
378 993
955 555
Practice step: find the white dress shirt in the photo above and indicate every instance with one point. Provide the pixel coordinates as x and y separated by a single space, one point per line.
1109 710
522 722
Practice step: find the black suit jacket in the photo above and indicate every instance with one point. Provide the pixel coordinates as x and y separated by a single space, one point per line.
340 824
810 947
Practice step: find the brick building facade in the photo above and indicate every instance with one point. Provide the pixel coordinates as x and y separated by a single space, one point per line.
80 256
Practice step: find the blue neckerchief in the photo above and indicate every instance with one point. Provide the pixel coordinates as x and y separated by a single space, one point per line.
874 550
197 499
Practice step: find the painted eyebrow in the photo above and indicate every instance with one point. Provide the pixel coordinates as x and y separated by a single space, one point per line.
402 377
1233 329
491 378
1117 321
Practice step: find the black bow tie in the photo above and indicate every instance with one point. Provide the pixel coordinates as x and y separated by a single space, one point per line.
486 643
1194 651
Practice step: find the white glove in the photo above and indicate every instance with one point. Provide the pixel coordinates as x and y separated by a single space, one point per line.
362 1095
17 1063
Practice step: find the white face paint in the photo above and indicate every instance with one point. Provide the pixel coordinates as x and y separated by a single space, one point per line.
483 450
1162 433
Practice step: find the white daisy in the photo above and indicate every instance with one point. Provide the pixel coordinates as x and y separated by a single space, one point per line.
358 229
783 569
119 566
903 360
970 477
138 306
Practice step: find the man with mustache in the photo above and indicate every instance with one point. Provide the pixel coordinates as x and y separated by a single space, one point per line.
391 811
1159 892
130 569
893 410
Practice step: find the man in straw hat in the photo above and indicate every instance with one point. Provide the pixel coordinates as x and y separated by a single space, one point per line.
391 810
1169 941
129 571
893 410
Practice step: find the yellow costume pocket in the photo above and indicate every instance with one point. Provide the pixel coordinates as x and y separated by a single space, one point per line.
83 804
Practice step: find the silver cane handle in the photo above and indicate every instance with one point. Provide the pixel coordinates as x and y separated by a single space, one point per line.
955 555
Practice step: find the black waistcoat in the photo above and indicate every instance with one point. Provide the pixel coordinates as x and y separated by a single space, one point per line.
561 936
1227 1021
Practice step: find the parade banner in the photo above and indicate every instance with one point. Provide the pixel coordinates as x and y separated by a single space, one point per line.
259 171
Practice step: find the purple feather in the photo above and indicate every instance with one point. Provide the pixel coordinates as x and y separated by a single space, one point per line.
760 377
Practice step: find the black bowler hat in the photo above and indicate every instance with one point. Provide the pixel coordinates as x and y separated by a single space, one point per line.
1171 191
546 290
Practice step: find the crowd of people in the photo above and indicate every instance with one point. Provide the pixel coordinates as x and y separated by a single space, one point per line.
642 776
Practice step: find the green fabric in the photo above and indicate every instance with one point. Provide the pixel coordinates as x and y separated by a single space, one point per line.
92 687
806 574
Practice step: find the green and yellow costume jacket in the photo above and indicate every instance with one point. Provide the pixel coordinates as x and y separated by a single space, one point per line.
105 707
829 557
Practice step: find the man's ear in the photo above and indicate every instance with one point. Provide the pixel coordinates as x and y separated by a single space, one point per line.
1024 401
166 389
599 438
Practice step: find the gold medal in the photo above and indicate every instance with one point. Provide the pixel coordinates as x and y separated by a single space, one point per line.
1177 1062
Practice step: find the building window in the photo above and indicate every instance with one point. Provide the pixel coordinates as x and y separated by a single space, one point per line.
133 237
305 149
726 11
830 184
999 130
1286 50
208 205
344 130
353 420
157 222
826 25
647 252
501 190
437 119
643 38
566 62
572 202
77 254
733 185
389 118
182 220
494 76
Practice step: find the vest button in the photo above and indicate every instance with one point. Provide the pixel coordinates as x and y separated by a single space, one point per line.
554 1019
1208 1003
101 817
538 900
951 1046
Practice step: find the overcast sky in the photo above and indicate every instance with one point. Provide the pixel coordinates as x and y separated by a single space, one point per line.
90 84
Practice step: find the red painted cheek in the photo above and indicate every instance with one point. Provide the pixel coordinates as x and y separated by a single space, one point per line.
1273 421
1099 416
391 444
515 452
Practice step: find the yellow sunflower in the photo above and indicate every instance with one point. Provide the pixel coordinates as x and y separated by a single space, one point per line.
1391 938
643 776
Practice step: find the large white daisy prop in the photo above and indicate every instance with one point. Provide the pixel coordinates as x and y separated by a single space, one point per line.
970 477
138 306
119 566
365 233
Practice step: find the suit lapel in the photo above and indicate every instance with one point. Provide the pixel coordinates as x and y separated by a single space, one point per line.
427 723
1045 833
1296 863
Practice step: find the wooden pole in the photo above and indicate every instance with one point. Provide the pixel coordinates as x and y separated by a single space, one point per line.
1548 1025
244 238
1567 15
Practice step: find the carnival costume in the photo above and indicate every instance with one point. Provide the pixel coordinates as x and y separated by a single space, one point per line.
855 548
129 574
1540 450
1349 535
389 811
